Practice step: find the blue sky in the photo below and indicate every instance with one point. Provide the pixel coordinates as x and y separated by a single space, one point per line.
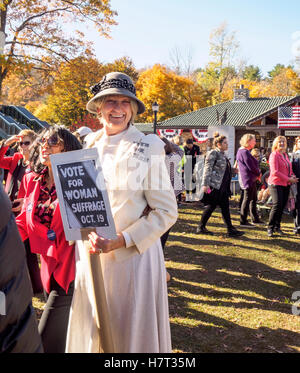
147 31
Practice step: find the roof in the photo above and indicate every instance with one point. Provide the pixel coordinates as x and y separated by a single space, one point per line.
25 112
11 122
144 127
239 113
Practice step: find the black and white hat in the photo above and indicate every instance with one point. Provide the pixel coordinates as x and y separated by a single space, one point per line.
114 83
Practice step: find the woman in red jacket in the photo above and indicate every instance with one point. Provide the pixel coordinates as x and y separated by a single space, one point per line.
17 165
280 179
40 221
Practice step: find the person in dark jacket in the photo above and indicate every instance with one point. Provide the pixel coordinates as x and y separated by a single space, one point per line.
296 170
18 325
249 172
191 152
216 186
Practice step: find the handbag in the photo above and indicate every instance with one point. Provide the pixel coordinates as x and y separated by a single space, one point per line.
208 198
291 203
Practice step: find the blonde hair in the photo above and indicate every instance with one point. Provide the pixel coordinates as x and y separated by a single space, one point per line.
178 140
134 106
276 142
255 152
295 148
31 134
28 133
218 139
246 139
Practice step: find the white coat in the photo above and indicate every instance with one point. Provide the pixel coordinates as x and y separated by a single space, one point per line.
135 276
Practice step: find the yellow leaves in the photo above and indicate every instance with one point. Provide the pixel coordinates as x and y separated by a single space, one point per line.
174 93
286 83
38 30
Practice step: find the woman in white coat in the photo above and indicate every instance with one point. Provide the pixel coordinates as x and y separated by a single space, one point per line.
133 266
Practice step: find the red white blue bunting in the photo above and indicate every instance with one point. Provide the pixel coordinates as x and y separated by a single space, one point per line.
200 135
169 134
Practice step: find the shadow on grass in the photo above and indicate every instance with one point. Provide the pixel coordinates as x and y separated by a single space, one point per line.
216 335
238 286
258 277
210 334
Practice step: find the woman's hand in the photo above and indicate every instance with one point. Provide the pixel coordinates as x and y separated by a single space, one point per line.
17 205
146 211
103 245
205 189
293 180
12 140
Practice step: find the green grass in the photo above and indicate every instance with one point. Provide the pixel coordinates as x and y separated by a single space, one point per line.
230 295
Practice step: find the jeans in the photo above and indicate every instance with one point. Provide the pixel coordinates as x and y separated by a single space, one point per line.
249 204
280 195
53 325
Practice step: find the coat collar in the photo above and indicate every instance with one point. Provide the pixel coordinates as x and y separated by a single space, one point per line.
130 135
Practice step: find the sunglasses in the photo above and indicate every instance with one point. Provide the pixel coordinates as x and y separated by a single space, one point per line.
26 143
52 141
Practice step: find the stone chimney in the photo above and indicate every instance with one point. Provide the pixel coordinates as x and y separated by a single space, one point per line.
241 94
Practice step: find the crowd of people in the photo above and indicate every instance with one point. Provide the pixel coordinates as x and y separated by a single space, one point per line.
265 178
132 262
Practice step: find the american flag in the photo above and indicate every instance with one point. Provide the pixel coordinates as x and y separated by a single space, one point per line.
289 117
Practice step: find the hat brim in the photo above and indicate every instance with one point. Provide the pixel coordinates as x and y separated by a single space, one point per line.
92 108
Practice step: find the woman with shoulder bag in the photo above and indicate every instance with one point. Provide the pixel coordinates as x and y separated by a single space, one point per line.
216 186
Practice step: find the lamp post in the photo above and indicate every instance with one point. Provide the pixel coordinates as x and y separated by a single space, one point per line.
155 108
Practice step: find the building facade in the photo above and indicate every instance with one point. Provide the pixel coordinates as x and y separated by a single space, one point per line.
258 116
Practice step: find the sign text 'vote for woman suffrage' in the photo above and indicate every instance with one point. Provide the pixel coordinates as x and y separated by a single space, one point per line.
84 201
81 192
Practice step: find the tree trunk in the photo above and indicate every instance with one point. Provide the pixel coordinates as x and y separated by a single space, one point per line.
3 70
1 81
3 14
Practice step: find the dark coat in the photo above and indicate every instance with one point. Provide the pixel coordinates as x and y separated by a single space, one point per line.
18 325
296 164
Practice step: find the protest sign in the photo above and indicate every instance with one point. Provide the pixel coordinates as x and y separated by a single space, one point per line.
81 192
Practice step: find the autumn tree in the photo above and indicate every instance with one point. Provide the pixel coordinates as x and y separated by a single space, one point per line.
277 69
70 91
25 86
175 94
182 61
223 52
284 83
37 31
252 73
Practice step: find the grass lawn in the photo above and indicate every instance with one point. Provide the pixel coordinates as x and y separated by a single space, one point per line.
230 295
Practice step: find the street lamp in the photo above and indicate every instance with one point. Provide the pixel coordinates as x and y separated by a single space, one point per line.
155 108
